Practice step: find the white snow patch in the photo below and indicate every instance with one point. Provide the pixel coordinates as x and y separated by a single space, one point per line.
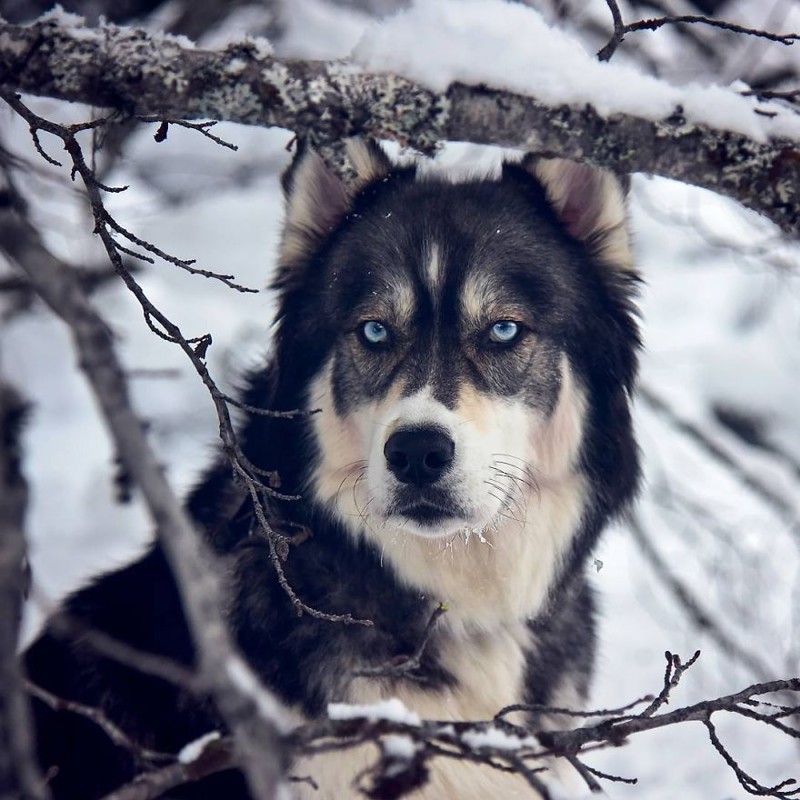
192 751
84 34
58 15
496 739
263 46
235 66
511 46
317 29
164 37
400 747
391 710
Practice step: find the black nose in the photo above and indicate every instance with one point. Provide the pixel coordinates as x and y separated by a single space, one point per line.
419 455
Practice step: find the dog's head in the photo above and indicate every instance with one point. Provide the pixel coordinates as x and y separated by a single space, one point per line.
471 346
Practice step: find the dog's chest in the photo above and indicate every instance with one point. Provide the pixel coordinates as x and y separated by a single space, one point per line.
489 673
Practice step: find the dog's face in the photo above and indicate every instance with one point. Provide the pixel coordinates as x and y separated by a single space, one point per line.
449 396
461 334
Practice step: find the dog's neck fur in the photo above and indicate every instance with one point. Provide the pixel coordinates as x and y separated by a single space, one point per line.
499 575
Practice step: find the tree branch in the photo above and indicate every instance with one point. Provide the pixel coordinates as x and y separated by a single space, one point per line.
621 28
209 757
19 776
195 348
497 744
112 730
502 745
253 715
143 75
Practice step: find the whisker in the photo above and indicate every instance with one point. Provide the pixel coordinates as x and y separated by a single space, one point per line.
496 485
500 500
516 479
525 470
350 468
528 470
358 480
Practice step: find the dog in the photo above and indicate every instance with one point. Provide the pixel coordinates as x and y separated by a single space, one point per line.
469 348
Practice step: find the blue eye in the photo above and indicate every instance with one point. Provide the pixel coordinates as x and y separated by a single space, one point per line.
375 332
504 331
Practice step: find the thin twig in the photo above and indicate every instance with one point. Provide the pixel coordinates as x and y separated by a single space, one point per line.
166 329
406 664
570 712
200 127
672 676
242 703
185 264
621 29
606 776
217 755
747 781
111 729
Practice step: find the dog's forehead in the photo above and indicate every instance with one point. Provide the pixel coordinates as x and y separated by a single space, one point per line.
455 248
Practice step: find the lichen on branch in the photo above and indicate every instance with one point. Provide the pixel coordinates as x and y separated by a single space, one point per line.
143 74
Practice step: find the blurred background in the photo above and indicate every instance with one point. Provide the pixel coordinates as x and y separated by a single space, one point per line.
711 559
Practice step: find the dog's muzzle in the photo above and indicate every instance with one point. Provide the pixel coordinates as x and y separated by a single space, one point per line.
418 458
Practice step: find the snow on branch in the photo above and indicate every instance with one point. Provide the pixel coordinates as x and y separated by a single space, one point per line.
745 147
525 748
407 745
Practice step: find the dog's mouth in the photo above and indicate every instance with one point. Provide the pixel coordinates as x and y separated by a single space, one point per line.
423 514
428 513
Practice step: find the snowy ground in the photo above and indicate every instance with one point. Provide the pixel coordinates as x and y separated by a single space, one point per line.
721 316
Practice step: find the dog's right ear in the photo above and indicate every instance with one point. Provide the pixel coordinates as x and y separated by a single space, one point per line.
317 200
590 202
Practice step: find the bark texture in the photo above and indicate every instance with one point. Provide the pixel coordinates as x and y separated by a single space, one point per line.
19 777
137 73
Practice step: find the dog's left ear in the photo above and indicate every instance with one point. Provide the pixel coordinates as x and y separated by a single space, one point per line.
591 204
317 200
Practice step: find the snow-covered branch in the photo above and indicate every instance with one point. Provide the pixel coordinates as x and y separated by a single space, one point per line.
714 138
501 744
407 744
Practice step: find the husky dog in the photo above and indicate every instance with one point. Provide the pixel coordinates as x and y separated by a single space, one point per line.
471 347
